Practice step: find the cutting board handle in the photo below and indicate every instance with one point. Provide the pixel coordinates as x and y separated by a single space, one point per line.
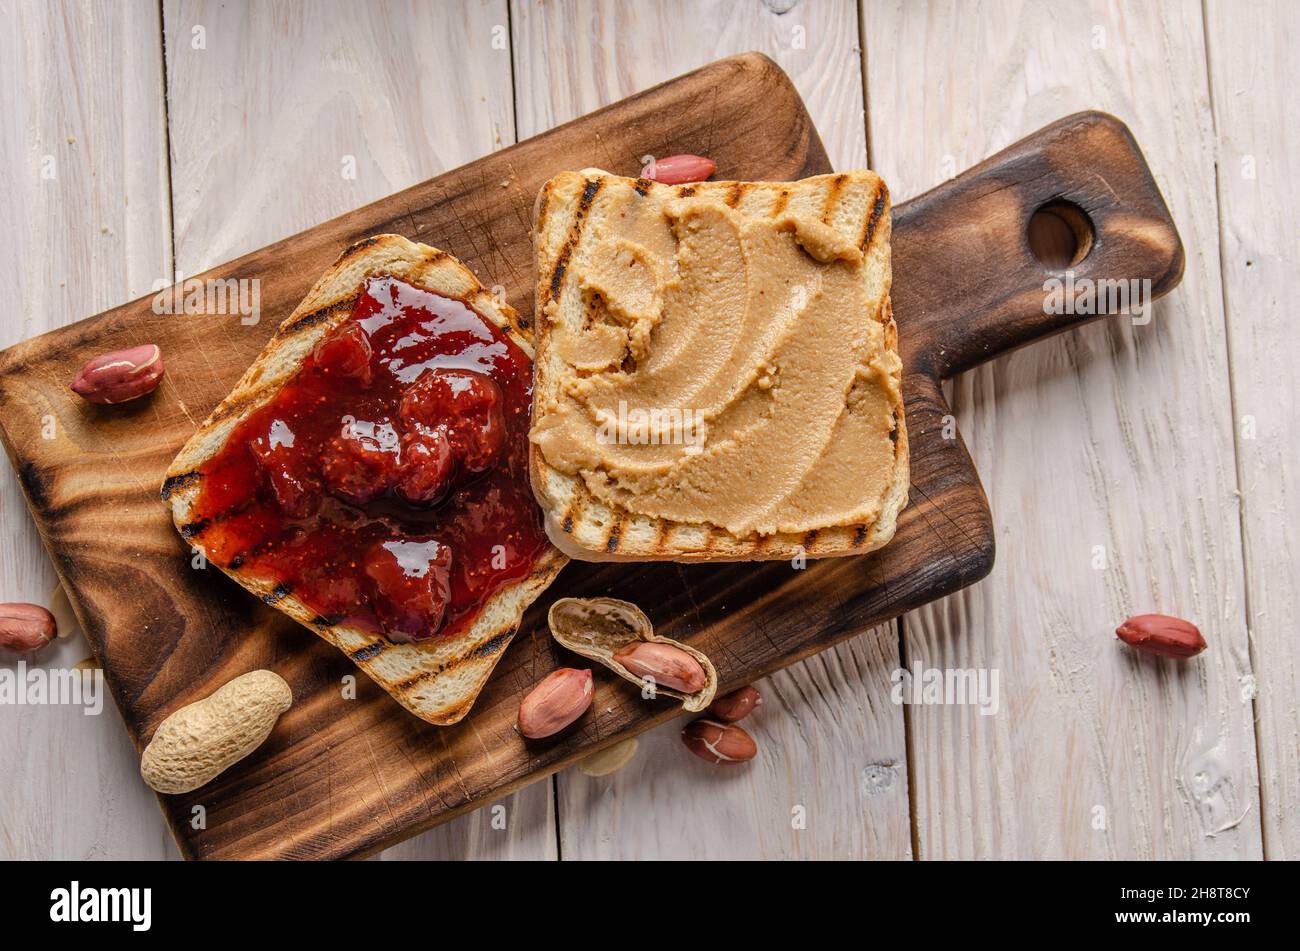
982 280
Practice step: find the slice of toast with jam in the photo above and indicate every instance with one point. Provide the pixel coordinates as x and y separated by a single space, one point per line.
368 474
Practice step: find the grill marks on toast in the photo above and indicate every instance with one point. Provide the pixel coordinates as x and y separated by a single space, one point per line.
589 192
699 541
278 593
879 198
243 400
833 197
297 325
197 527
411 673
181 481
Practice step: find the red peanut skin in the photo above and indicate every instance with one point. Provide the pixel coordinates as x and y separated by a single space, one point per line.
558 700
679 169
120 375
736 705
1162 635
26 627
668 666
723 744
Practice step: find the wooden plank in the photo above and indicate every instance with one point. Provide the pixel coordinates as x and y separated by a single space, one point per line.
292 113
336 105
834 707
369 773
1114 442
83 226
1253 75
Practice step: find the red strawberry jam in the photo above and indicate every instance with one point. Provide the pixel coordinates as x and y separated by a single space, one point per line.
386 484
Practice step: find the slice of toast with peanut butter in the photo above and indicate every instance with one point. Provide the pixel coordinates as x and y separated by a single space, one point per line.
717 375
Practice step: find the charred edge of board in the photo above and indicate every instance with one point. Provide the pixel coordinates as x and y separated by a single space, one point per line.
34 484
172 483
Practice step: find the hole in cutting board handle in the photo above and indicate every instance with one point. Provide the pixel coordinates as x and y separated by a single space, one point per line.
1060 234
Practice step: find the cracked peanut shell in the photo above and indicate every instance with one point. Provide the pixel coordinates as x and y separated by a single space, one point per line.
598 628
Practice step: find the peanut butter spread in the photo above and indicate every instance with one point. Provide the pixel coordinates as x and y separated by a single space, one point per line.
724 369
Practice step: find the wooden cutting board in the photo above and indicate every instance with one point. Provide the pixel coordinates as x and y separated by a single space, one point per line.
345 777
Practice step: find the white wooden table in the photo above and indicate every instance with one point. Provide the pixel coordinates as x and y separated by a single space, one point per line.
1129 468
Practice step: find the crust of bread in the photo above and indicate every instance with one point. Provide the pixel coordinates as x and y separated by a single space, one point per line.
437 680
584 527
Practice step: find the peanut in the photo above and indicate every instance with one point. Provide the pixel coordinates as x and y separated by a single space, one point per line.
736 705
65 620
561 697
1161 634
26 627
719 743
205 738
679 169
666 665
121 375
609 760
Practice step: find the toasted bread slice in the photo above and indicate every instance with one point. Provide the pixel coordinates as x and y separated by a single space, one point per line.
437 680
848 217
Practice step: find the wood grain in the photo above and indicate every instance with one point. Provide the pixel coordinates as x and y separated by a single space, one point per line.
83 226
1114 443
294 112
338 104
666 804
355 776
373 776
1253 75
